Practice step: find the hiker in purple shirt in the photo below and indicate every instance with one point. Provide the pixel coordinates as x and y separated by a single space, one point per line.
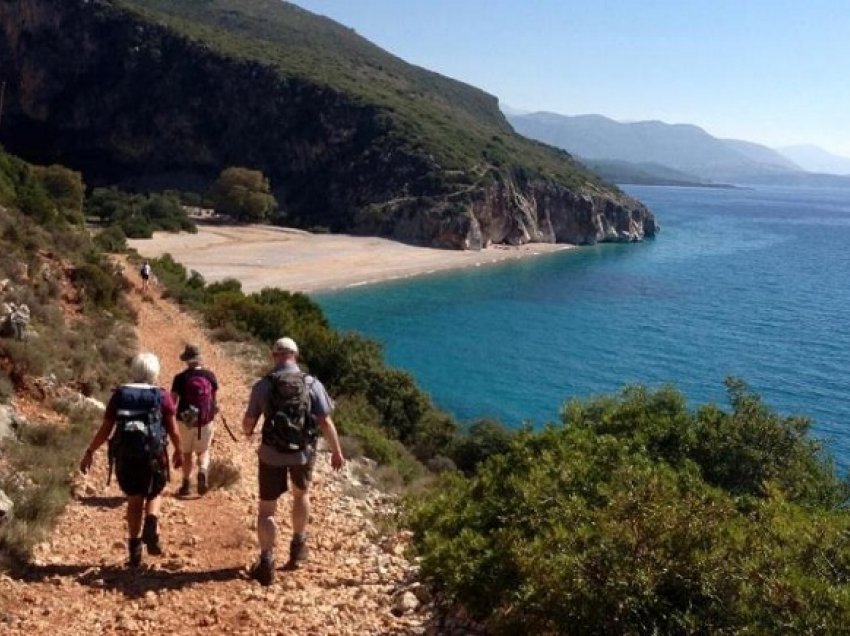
295 407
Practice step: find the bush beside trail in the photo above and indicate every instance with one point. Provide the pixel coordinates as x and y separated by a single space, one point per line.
77 342
639 516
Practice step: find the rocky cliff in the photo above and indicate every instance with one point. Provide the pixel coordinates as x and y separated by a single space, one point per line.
95 85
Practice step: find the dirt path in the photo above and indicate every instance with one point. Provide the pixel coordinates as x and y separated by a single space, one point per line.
79 585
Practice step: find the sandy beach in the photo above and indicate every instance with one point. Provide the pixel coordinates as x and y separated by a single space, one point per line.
267 256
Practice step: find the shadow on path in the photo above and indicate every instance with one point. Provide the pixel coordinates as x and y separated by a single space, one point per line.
131 583
102 502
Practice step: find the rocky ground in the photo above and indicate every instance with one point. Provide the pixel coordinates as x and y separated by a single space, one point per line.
358 580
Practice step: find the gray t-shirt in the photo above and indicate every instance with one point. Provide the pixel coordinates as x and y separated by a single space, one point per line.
321 404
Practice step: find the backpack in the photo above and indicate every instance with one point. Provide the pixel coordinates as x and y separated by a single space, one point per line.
197 406
288 426
145 271
139 439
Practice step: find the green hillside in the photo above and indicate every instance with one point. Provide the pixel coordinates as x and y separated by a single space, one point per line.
461 126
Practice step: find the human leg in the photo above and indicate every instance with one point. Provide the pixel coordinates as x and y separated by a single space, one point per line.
272 484
187 451
202 449
135 506
150 529
301 478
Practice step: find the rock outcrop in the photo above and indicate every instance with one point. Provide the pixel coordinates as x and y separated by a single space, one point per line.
129 101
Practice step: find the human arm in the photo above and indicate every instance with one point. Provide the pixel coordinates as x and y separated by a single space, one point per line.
99 438
249 424
256 402
176 388
326 425
168 420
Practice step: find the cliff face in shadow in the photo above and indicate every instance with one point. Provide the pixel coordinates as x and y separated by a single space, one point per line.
128 101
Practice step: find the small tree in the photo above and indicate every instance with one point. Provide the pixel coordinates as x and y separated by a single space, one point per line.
244 194
65 187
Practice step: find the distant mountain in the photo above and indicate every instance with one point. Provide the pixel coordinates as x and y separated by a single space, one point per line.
642 173
762 154
351 137
682 147
817 159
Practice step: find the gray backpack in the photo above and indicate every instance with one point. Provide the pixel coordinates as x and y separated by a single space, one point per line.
288 426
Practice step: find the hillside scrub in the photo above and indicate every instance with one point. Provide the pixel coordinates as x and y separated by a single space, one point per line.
137 215
640 516
78 341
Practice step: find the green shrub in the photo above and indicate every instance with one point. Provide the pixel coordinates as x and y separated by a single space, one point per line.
611 524
65 188
483 439
355 418
111 239
48 455
138 215
100 286
243 194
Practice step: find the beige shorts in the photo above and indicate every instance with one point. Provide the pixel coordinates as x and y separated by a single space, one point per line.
189 442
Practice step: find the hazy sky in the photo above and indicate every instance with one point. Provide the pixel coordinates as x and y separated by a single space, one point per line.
772 71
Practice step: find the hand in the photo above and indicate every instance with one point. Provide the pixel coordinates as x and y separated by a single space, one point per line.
337 460
86 461
177 458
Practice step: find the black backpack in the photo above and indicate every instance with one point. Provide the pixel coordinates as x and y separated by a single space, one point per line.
139 439
288 425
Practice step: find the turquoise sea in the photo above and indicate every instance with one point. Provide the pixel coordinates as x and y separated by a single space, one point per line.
744 282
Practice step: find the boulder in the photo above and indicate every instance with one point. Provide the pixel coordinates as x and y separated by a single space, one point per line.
6 508
8 422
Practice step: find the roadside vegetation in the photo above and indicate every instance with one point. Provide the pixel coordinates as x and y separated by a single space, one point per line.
126 215
637 515
76 345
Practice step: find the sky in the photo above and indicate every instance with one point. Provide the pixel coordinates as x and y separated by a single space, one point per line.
770 71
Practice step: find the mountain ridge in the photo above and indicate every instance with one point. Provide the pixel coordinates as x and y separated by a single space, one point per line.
683 147
815 159
353 139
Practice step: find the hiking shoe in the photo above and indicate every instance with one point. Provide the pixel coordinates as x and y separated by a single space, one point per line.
185 489
150 536
298 554
202 484
263 571
135 547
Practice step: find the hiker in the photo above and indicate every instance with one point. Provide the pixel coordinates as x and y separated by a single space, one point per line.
295 406
194 391
142 414
145 273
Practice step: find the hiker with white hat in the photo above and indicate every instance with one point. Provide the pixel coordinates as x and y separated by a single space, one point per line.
295 407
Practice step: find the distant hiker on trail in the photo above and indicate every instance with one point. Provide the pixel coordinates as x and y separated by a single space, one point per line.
142 414
145 273
295 406
194 391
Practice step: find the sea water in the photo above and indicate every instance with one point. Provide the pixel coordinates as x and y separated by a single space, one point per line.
751 283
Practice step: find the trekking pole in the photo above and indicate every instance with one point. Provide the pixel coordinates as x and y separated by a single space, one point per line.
224 421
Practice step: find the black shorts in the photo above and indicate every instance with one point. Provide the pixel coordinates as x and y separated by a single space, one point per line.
273 479
141 479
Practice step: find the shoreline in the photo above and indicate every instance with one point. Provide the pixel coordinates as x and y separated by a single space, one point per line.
295 260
